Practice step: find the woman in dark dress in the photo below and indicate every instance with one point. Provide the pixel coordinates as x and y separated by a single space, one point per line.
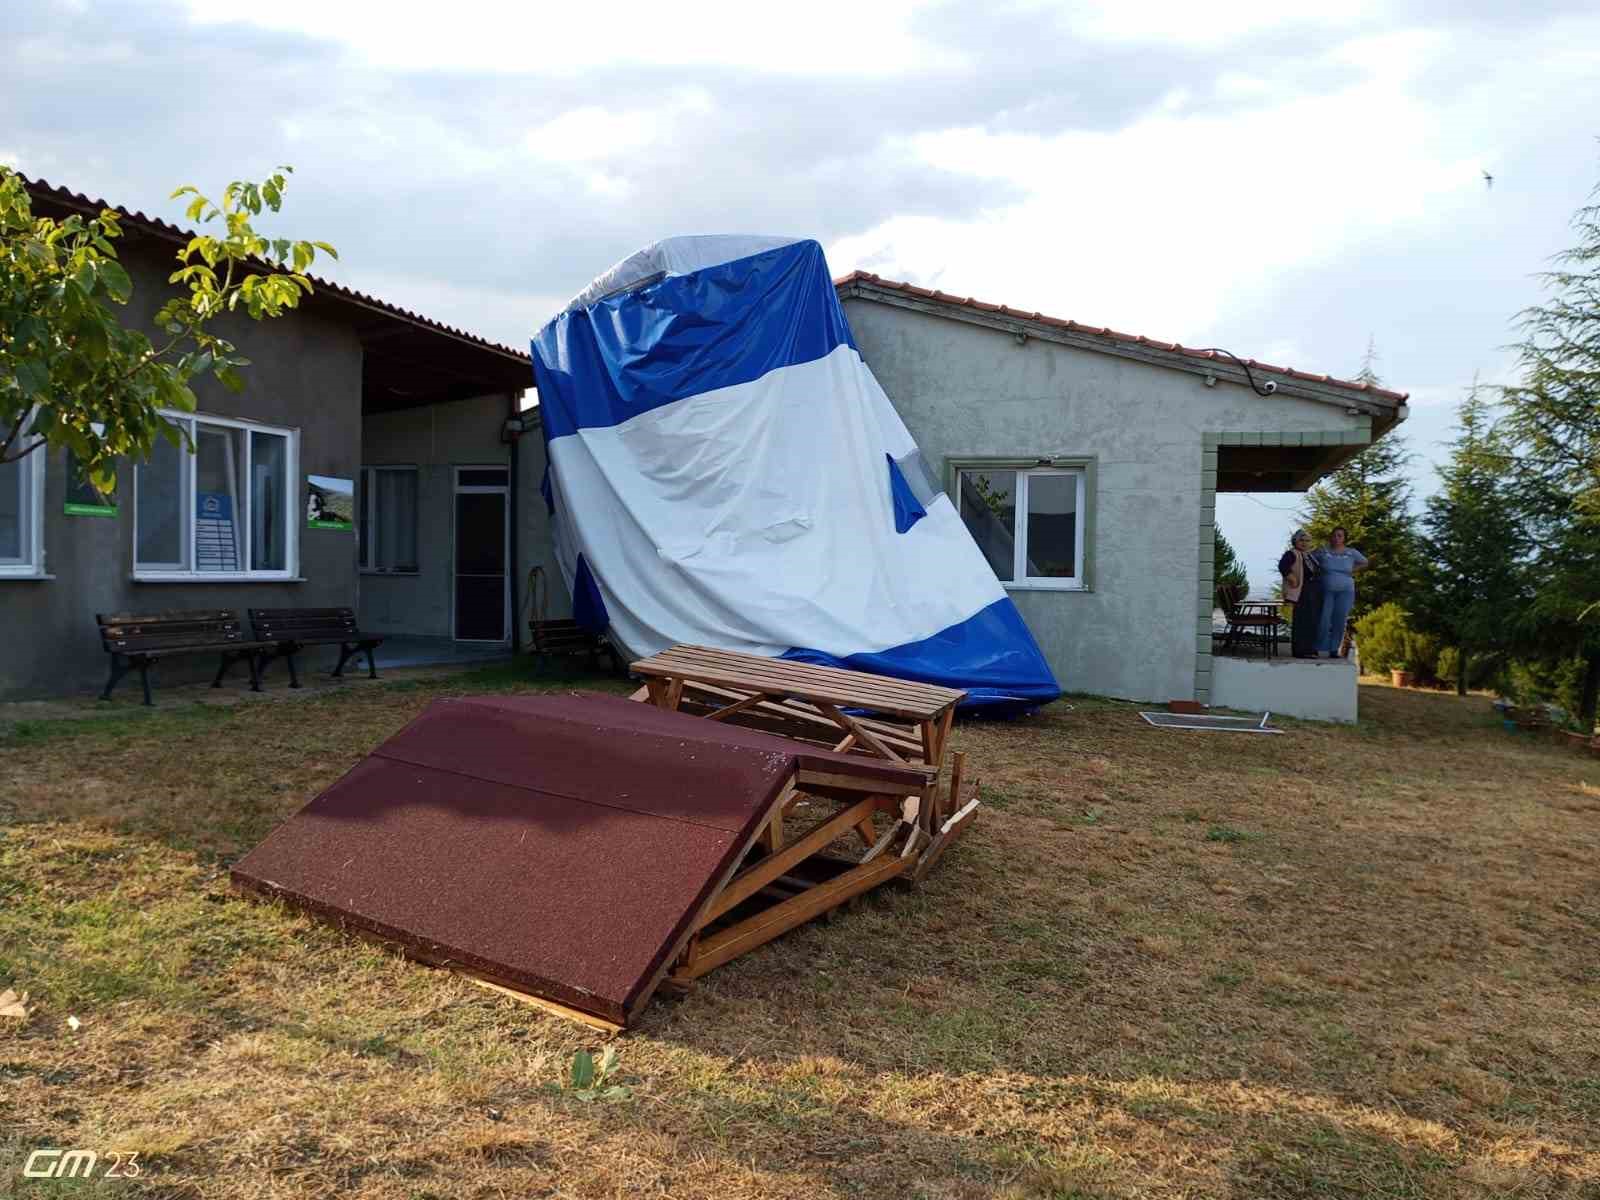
1303 590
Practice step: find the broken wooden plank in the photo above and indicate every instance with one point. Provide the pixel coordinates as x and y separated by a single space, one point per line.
753 878
730 943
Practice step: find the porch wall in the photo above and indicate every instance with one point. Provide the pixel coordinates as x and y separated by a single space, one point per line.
1317 691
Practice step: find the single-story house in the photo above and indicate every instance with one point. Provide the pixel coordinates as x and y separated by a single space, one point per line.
1087 463
367 463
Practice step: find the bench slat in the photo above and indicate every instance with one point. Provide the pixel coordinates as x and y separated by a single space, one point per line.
306 624
295 614
181 645
177 614
262 626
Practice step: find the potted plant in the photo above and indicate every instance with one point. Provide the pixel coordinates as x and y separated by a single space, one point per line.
1401 675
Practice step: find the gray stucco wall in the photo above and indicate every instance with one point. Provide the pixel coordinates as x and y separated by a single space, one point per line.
970 392
305 374
534 546
435 439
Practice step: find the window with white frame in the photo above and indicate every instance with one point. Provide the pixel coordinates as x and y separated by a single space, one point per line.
387 525
224 509
21 503
1028 521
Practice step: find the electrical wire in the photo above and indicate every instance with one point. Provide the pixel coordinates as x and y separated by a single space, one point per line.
1255 387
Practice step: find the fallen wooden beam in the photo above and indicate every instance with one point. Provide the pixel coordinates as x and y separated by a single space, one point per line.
728 944
753 878
549 1006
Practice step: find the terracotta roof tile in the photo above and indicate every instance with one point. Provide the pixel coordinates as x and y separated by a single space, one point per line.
1113 334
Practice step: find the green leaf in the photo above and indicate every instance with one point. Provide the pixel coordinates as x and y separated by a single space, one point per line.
230 379
116 280
93 341
582 1070
32 376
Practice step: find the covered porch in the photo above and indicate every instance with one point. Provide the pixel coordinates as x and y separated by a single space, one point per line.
1259 673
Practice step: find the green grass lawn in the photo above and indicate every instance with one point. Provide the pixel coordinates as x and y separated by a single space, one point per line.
1338 963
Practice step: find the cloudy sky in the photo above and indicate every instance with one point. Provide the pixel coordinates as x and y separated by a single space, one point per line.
1284 185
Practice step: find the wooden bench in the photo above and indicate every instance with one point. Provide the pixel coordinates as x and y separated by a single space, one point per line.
290 630
567 637
137 641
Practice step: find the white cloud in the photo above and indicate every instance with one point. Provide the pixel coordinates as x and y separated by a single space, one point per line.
827 37
1163 226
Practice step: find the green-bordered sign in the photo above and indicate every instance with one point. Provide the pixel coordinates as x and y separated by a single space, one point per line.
330 502
82 498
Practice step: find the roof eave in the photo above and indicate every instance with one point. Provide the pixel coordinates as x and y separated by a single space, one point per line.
324 291
1386 408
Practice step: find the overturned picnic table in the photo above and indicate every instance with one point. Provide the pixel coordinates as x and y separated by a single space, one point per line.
902 721
909 721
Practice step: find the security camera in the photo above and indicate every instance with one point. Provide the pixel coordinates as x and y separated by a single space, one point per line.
1269 386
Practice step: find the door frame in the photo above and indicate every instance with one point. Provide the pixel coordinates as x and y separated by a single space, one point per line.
457 490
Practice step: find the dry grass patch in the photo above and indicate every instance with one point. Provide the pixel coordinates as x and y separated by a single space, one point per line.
1339 963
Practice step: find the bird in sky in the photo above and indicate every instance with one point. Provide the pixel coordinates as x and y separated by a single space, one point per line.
1488 180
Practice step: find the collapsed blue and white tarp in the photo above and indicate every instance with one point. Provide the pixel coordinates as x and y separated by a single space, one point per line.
724 470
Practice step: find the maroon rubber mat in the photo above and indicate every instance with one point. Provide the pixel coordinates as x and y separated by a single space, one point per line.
558 844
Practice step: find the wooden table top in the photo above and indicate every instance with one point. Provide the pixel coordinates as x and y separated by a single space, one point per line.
776 676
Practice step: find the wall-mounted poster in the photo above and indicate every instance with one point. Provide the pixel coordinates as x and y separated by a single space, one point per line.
82 500
330 502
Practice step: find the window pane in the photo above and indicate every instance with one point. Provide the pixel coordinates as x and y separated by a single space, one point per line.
1052 526
13 476
989 507
161 540
397 521
219 453
269 484
484 477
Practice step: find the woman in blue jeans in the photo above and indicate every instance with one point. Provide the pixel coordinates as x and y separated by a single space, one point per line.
1338 566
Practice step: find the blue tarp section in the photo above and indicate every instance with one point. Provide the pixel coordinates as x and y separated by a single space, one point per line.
686 335
588 606
908 509
992 655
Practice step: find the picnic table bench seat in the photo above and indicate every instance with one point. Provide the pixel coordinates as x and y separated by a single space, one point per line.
137 641
290 630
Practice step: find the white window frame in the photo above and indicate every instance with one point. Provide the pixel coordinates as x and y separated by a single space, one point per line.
1020 580
293 507
30 564
369 478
